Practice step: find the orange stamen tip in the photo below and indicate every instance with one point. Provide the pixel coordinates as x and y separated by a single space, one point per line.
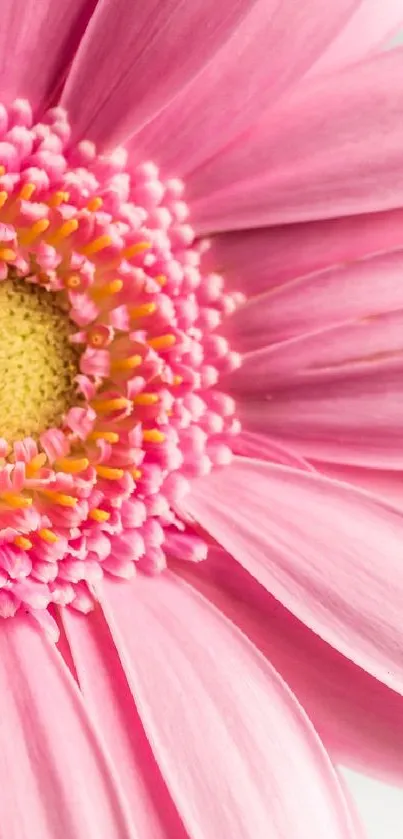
108 436
143 310
23 543
177 380
136 474
94 204
65 230
162 342
36 229
58 198
114 286
18 502
72 465
48 536
109 473
133 250
99 515
60 498
104 406
7 254
153 435
3 197
161 279
96 245
2 170
130 363
35 464
74 281
146 399
27 191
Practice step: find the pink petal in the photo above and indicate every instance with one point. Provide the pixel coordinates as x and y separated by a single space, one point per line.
254 261
261 447
356 716
333 395
131 63
348 292
229 737
367 32
272 49
37 44
329 552
387 485
55 778
108 697
294 165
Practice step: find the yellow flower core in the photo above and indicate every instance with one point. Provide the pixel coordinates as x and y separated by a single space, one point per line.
37 362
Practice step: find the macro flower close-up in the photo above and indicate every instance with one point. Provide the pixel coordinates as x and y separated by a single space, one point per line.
201 424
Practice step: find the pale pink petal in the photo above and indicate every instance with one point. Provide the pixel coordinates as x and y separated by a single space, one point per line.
357 717
329 552
295 165
37 43
273 48
333 395
254 261
387 485
229 737
55 778
367 32
133 61
109 699
348 292
259 446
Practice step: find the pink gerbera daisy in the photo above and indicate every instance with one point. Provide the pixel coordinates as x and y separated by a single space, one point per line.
132 349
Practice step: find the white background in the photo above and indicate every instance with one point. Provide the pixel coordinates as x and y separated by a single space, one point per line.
379 806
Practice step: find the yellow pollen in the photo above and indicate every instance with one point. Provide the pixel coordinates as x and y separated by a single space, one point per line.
72 465
65 230
108 436
48 536
144 310
96 245
99 515
18 502
35 464
146 399
133 250
153 435
109 473
7 254
130 363
161 279
105 406
94 204
32 233
27 192
58 198
3 197
60 498
74 281
23 543
162 342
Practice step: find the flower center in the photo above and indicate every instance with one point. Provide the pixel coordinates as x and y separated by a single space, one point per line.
37 362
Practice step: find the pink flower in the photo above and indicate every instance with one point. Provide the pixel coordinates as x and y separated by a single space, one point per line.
162 708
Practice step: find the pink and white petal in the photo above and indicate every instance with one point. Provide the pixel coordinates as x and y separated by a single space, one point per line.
259 446
270 51
110 701
229 737
134 61
294 165
37 45
334 395
55 778
356 292
357 717
255 261
330 553
367 32
387 485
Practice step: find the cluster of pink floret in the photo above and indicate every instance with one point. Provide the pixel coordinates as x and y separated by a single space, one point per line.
102 492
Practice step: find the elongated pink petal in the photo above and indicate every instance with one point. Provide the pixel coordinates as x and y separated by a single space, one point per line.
132 62
387 485
367 32
329 552
261 447
229 737
254 261
37 45
333 395
108 696
294 165
275 45
349 292
357 717
55 778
